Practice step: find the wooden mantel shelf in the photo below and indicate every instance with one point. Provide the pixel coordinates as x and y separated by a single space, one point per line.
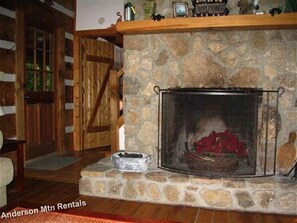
190 24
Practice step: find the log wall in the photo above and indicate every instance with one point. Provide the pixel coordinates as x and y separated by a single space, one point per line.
62 12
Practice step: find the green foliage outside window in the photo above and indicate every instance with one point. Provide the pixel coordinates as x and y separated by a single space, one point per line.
36 74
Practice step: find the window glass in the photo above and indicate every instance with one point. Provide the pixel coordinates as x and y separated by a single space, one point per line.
39 54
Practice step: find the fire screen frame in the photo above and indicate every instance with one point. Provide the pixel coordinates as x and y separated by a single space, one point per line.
266 97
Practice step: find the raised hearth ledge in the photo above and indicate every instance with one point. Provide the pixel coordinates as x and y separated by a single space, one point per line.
269 195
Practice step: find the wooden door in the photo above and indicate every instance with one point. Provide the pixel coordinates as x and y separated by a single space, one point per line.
97 62
39 93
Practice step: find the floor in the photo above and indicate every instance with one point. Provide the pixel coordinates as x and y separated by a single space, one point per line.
71 173
51 188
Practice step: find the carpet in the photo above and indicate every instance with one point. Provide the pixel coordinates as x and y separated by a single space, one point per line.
35 215
51 161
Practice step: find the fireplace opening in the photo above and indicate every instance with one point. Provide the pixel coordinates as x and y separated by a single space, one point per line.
218 132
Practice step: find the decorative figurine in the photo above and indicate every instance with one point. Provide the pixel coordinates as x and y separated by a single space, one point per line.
157 17
247 7
273 11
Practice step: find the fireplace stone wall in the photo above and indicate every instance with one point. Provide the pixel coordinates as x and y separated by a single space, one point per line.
264 59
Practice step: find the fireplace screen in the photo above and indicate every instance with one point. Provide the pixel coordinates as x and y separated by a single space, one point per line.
218 132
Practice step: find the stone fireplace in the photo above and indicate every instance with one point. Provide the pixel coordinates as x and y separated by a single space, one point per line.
228 59
264 59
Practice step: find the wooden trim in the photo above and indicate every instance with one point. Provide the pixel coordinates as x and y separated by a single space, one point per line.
101 128
19 70
114 111
60 90
109 32
77 91
99 59
191 24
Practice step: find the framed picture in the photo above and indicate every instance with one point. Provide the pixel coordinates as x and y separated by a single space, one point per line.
180 9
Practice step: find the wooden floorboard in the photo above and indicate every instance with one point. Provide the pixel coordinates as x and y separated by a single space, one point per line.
71 173
205 216
39 192
221 216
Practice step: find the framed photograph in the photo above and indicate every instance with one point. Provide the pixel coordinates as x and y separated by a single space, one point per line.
180 9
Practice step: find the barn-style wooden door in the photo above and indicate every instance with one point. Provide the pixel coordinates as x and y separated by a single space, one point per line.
97 62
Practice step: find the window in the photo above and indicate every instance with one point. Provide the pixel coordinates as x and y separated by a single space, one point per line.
39 60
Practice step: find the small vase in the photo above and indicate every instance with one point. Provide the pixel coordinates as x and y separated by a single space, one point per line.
149 8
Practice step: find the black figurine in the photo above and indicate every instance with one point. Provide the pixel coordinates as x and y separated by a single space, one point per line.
273 11
157 17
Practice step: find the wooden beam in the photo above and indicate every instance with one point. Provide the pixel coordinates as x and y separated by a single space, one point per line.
110 34
77 93
60 89
20 73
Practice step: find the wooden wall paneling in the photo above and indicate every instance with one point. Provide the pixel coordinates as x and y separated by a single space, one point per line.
7 28
68 94
7 93
69 71
103 114
7 125
68 117
77 91
7 62
97 55
20 73
43 12
114 111
100 79
60 89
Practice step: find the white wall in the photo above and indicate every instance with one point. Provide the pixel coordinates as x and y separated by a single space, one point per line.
89 12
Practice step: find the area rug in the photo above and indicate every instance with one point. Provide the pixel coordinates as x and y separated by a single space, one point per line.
51 161
24 215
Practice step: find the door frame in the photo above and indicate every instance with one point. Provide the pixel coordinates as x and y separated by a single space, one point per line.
59 73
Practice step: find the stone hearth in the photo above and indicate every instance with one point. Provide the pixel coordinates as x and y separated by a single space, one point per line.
271 194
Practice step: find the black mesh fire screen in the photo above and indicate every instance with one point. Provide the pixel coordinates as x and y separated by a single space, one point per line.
217 132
